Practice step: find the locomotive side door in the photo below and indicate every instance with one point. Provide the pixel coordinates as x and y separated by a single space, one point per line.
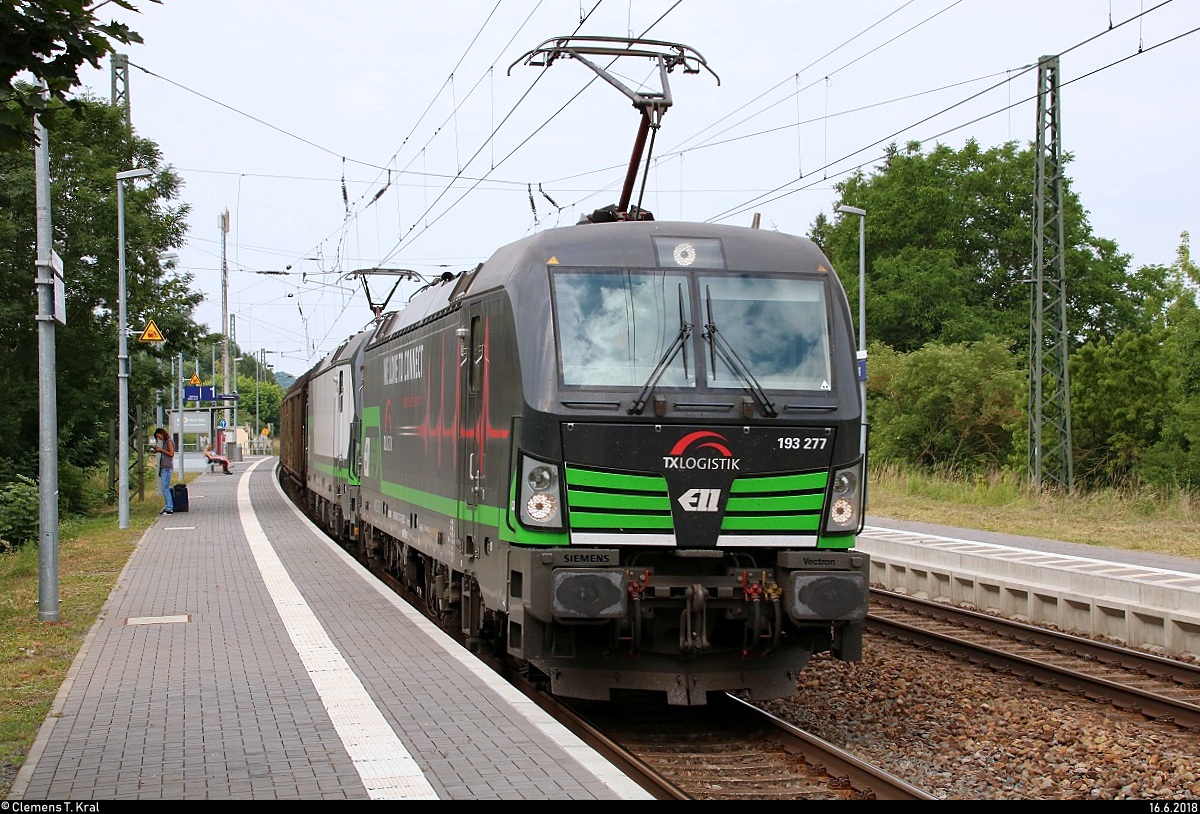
471 427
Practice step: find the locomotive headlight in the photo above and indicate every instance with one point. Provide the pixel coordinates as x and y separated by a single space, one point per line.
845 481
539 499
541 478
846 501
541 507
842 512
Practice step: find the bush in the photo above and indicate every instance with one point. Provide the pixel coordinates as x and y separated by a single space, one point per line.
19 509
953 409
80 491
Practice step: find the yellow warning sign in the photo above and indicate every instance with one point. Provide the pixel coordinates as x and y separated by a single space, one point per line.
151 333
195 379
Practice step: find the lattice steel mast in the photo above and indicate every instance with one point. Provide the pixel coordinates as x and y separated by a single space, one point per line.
1049 383
120 84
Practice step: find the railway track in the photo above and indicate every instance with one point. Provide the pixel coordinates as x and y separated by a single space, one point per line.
727 750
1159 688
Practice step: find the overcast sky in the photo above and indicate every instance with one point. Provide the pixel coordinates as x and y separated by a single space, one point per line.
397 134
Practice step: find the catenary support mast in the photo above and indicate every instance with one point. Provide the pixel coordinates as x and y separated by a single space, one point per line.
1049 384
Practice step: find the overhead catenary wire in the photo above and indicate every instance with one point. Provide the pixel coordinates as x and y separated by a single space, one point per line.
459 176
454 182
762 199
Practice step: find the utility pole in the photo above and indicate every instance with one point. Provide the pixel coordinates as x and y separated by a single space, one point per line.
262 356
158 407
223 223
47 287
1049 412
233 339
862 317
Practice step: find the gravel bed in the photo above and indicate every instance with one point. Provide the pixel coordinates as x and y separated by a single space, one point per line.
963 732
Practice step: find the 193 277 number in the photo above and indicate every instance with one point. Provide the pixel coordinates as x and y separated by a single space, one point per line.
795 442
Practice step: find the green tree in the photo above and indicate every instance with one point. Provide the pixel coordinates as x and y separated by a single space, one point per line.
1174 460
265 395
1121 394
949 236
48 41
1135 398
87 147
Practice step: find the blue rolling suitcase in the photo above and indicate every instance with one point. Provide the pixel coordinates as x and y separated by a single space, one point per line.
179 497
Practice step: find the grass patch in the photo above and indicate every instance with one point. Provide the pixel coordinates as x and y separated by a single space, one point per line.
1145 520
35 655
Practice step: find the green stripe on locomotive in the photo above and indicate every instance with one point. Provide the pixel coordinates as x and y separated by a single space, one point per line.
339 472
780 504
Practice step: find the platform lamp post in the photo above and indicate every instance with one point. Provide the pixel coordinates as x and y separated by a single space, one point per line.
123 355
862 314
259 362
236 359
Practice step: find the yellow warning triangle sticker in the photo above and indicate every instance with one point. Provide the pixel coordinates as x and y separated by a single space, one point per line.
195 379
553 261
151 333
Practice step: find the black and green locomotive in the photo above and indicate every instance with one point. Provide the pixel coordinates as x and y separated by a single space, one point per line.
628 455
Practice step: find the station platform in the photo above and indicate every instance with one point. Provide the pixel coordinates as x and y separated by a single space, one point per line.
244 655
1138 598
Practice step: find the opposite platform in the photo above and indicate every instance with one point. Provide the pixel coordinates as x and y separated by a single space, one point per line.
244 655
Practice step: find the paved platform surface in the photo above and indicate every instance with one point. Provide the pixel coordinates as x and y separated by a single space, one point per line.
242 655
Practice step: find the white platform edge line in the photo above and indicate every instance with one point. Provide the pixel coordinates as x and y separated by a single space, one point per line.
998 546
384 764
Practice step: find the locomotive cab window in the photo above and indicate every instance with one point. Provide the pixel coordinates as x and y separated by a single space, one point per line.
776 327
617 327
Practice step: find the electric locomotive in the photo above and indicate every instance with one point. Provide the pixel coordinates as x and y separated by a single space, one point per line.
628 455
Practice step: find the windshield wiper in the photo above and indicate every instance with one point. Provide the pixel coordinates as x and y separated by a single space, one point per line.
664 362
728 355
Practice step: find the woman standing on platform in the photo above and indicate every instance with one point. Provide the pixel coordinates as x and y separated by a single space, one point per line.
166 465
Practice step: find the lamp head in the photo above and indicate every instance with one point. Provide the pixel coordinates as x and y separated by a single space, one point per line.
851 210
141 172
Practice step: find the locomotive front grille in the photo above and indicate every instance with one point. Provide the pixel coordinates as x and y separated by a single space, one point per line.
612 503
776 504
